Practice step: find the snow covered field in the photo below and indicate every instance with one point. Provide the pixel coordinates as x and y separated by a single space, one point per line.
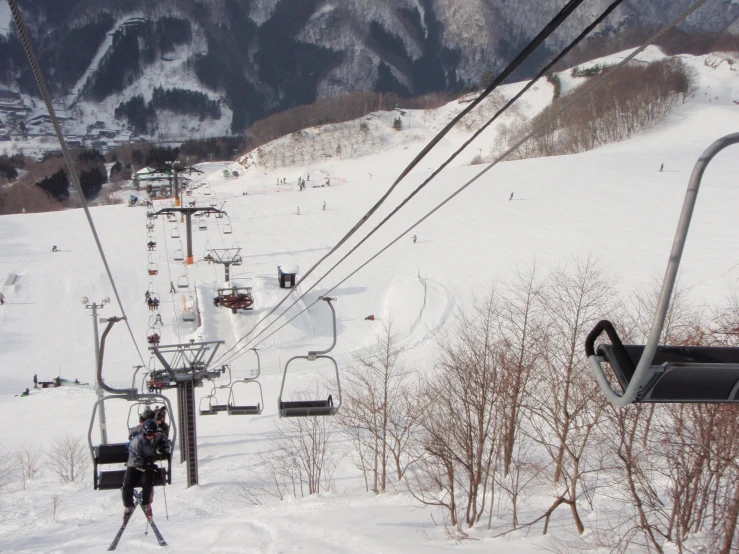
611 203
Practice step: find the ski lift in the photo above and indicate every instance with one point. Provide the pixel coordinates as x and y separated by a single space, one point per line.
209 410
116 454
153 269
175 233
151 245
304 408
227 230
150 226
653 373
171 217
247 409
152 301
183 282
178 255
152 336
215 406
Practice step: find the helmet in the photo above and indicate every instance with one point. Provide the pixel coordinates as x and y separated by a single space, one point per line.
148 414
150 426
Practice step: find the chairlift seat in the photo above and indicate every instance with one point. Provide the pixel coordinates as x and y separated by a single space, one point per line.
244 410
105 454
676 373
307 408
219 407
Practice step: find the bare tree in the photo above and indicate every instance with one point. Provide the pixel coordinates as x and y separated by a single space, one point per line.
68 458
28 461
6 468
303 459
566 407
461 431
376 414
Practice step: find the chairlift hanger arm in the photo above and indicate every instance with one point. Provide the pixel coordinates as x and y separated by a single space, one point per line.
315 353
131 393
641 372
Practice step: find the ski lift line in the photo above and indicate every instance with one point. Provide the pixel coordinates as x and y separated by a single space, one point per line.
36 69
597 83
558 19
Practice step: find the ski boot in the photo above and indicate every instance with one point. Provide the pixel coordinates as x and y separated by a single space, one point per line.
127 511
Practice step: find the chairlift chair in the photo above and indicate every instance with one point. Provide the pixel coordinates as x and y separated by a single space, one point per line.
171 217
116 454
219 215
206 192
227 230
178 255
203 225
213 203
654 373
247 409
175 233
153 269
208 410
183 282
305 408
152 336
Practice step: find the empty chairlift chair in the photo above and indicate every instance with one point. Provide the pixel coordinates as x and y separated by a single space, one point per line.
305 408
175 233
227 230
654 373
203 225
250 383
183 282
178 255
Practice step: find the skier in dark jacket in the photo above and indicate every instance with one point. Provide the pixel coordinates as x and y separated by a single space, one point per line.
143 451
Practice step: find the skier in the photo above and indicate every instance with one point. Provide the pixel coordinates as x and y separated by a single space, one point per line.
2 299
324 205
163 425
172 290
143 451
146 415
35 380
151 245
298 210
415 238
510 197
54 248
147 297
370 317
661 168
158 320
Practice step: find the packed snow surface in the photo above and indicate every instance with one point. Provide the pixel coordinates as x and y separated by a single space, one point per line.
612 204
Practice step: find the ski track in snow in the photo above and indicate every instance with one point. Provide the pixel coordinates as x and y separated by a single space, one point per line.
610 203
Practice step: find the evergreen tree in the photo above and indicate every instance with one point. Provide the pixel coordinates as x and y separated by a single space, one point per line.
57 185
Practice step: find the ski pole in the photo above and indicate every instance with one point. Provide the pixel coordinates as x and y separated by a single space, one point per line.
164 491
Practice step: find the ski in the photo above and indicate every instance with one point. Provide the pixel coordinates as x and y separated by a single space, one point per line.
154 528
118 535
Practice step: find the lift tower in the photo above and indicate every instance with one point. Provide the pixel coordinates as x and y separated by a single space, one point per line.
187 212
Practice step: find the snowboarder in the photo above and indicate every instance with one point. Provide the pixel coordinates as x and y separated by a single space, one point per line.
370 317
298 210
158 320
25 393
35 380
54 248
510 197
415 238
661 168
324 205
2 299
143 451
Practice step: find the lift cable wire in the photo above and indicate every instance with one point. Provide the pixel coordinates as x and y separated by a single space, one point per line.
558 19
33 61
597 83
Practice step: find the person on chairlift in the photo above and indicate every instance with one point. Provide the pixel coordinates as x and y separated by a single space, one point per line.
141 468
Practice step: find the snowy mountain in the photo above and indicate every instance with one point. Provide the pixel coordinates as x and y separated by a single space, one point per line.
612 203
257 57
